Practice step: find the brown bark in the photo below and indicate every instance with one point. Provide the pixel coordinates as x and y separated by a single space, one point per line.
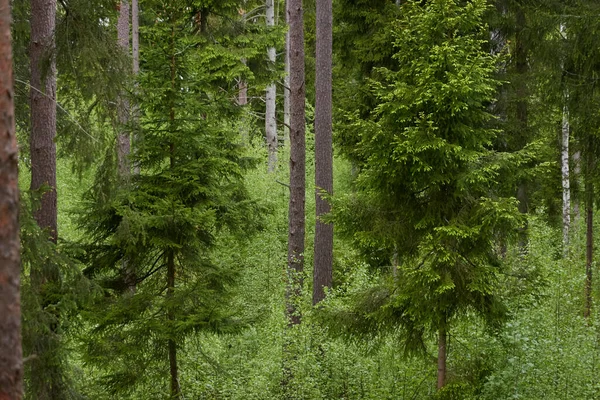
323 258
589 205
43 111
442 356
11 358
175 389
297 159
522 115
123 140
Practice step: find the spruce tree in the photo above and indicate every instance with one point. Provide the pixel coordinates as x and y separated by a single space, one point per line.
165 224
426 176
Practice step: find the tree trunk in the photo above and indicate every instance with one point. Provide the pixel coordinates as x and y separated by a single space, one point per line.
175 389
566 180
11 358
135 52
123 140
297 159
43 111
323 258
576 174
47 367
589 207
270 114
286 83
521 69
442 356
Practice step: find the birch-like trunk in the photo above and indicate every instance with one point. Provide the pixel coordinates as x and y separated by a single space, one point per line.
11 357
566 187
270 113
123 140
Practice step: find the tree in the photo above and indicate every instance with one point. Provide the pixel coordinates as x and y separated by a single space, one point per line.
11 359
297 158
270 100
123 111
427 175
323 255
188 193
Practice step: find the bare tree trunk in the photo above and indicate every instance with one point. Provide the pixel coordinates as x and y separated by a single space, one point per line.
270 114
442 356
297 159
135 52
43 111
175 389
323 258
522 112
576 174
566 186
123 140
286 84
589 204
11 357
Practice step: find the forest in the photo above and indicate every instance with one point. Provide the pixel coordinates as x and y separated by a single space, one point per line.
299 199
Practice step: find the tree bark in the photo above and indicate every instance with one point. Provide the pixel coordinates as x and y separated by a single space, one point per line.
566 186
522 116
135 52
175 389
589 207
270 112
43 112
442 355
286 84
123 140
11 358
297 159
323 250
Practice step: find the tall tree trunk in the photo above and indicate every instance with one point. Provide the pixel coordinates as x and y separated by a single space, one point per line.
270 114
123 140
521 69
286 83
135 52
576 174
43 111
11 358
323 258
589 208
442 355
175 389
297 159
566 186
47 367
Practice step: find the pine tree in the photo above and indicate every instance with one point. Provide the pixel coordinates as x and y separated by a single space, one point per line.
323 257
11 359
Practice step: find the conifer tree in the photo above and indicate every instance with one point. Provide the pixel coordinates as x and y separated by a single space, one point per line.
426 176
11 358
166 223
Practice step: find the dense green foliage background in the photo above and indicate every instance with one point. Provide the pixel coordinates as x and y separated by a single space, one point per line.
432 150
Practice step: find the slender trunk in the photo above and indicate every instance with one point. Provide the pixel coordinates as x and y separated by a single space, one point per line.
135 52
123 140
175 389
286 84
589 206
442 356
323 250
11 357
43 111
297 159
521 68
566 180
270 114
576 174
